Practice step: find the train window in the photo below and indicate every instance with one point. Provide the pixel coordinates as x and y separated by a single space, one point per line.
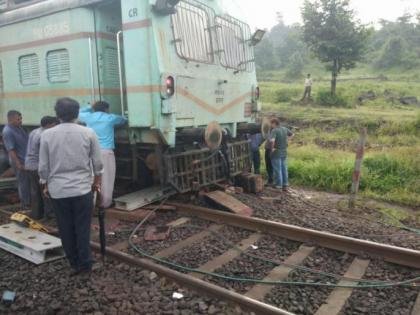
29 69
58 66
233 40
111 72
191 28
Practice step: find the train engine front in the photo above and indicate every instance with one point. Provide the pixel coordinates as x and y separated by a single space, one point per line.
190 89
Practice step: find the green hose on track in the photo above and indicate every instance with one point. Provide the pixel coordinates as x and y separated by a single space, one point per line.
366 283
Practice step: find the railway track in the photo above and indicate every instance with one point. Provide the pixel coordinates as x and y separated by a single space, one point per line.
221 243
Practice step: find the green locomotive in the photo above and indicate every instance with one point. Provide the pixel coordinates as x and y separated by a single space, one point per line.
182 72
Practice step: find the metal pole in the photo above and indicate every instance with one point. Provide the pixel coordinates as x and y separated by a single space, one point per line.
92 77
120 72
357 168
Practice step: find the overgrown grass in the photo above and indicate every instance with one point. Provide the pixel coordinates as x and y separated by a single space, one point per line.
322 153
389 175
387 92
361 72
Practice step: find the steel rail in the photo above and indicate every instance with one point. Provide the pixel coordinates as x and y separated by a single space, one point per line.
194 283
186 280
390 253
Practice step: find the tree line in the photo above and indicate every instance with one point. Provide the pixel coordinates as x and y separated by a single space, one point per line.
332 33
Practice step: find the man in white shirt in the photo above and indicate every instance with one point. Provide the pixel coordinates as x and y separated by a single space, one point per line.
308 87
69 161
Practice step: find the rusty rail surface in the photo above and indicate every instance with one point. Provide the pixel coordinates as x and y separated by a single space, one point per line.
184 279
394 254
194 283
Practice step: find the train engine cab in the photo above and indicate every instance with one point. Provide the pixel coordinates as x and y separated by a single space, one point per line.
183 73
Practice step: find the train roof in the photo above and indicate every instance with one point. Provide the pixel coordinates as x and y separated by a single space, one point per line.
13 11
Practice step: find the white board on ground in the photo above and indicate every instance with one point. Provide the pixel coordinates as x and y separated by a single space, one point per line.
34 246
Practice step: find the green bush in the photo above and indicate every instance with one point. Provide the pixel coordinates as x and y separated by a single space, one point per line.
286 95
325 98
392 175
328 170
384 174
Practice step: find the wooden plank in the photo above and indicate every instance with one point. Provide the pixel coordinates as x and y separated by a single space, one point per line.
7 183
339 296
259 291
228 256
272 198
250 183
142 198
416 308
187 242
229 203
134 216
8 173
121 246
159 207
179 222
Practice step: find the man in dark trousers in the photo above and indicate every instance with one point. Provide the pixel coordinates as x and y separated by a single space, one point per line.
268 164
15 140
39 208
256 140
279 141
69 164
308 87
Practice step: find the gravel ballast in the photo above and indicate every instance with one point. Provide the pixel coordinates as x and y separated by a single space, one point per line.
114 289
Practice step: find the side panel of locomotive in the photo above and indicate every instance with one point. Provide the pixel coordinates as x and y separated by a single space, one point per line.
46 58
172 73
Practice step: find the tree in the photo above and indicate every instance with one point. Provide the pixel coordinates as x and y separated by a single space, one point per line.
334 35
393 53
291 44
264 53
295 66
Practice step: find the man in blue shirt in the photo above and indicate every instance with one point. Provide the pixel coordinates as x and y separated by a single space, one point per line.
103 123
15 140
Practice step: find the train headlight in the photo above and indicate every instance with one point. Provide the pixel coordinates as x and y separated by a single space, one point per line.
170 86
257 37
165 7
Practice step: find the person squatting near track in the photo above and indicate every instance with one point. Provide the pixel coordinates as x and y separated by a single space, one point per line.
40 206
69 157
279 144
15 140
103 123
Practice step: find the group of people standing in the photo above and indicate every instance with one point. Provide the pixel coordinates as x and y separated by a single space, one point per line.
276 148
59 165
275 154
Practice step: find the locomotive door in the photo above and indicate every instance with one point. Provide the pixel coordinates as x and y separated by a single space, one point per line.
107 18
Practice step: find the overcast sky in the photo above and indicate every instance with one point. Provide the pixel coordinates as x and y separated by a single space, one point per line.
262 13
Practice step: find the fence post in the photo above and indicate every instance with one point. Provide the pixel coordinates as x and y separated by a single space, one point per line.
358 166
